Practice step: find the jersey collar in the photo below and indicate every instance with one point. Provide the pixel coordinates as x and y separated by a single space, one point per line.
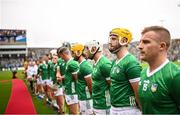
69 60
82 61
149 74
117 61
44 62
98 59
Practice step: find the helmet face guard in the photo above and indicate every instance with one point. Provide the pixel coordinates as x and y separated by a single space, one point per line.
52 53
66 44
91 48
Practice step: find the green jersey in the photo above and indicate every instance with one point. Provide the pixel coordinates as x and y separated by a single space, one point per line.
72 67
43 68
159 91
124 72
61 65
82 88
52 67
100 88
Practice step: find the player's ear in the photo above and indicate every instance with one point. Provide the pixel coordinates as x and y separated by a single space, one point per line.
163 46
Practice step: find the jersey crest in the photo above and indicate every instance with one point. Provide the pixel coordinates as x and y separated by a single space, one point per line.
116 70
154 87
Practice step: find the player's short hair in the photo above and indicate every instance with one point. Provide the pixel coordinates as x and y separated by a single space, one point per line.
47 55
163 33
63 50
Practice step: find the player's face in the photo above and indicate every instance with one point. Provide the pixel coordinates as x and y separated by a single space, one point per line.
37 62
74 55
45 58
62 56
149 46
55 59
89 52
113 43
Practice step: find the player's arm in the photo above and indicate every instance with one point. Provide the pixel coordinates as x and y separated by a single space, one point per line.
108 81
88 80
134 86
75 76
74 69
176 89
133 74
58 74
105 69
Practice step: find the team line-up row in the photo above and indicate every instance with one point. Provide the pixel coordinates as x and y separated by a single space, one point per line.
107 87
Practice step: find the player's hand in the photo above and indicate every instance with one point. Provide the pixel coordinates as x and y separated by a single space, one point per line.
59 78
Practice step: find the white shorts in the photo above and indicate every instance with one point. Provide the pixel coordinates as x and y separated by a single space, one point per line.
124 111
46 82
101 111
29 77
39 80
59 92
86 107
50 83
71 99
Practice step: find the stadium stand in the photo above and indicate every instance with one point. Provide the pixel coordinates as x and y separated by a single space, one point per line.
13 48
37 53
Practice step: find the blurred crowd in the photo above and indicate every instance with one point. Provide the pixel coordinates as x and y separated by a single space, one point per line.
36 53
9 64
173 53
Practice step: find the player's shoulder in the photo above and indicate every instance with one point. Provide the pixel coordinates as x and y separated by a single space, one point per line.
86 64
104 59
50 62
73 62
40 64
144 71
60 60
131 58
174 69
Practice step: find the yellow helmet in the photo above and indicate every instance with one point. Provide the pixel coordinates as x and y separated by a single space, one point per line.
124 35
77 49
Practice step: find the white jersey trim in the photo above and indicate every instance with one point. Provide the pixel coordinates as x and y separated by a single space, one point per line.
134 80
82 61
75 72
149 74
98 59
87 76
108 78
